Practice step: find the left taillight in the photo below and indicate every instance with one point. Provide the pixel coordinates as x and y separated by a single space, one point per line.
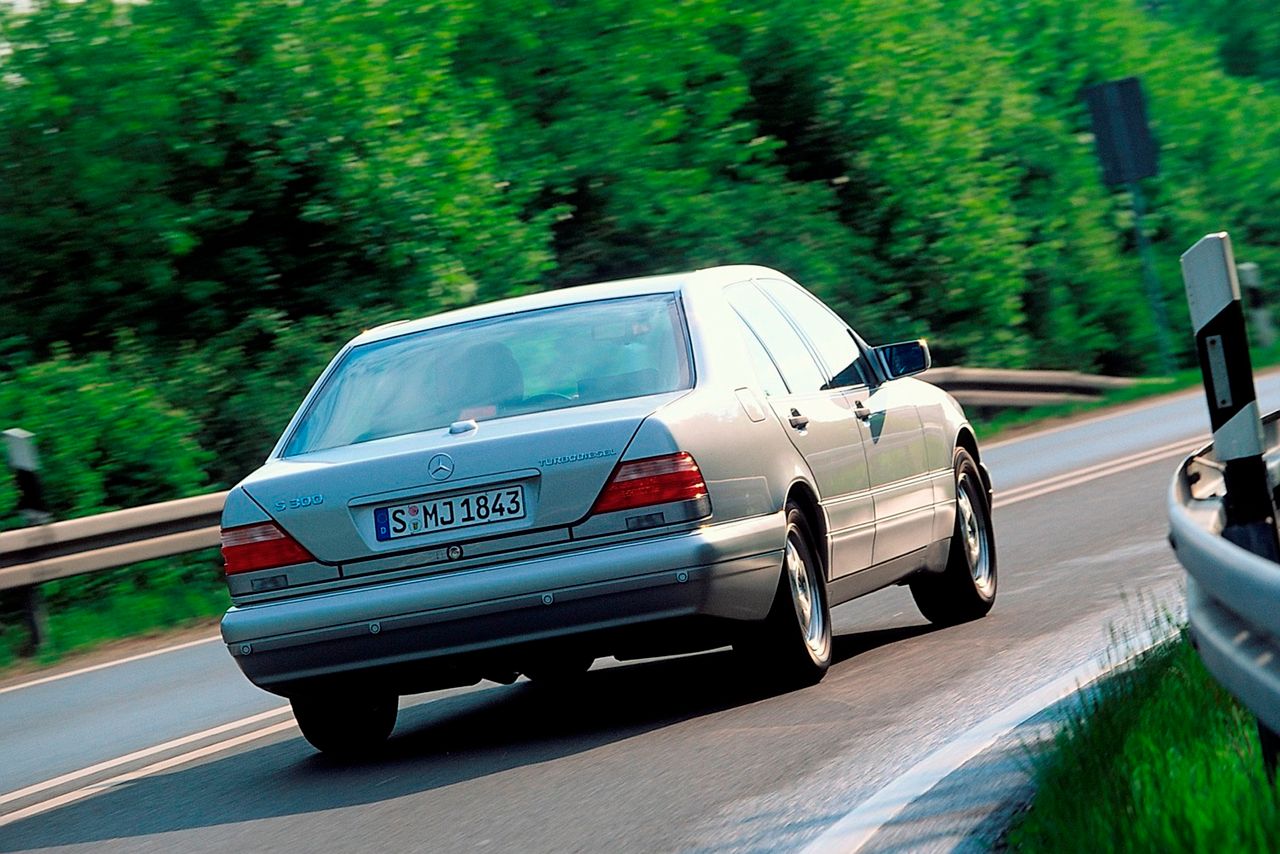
261 546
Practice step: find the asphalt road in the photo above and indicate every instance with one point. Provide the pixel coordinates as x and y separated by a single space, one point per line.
677 754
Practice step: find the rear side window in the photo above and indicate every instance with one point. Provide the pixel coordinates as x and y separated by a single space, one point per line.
534 361
828 333
776 333
766 371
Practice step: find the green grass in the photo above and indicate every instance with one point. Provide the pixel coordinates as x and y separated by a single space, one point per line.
1160 758
142 599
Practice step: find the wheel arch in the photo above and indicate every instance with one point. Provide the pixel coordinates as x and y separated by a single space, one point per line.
966 439
804 496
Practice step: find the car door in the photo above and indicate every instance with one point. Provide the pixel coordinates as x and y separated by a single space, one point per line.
820 423
901 487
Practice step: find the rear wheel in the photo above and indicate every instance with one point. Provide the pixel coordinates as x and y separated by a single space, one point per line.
793 644
348 727
966 590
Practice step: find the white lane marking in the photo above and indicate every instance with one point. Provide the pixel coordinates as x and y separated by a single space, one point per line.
856 829
1076 472
1101 470
154 768
55 677
145 753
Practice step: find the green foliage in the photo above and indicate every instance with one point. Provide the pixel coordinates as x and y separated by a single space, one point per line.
200 201
221 192
241 387
1247 31
170 167
1162 759
105 442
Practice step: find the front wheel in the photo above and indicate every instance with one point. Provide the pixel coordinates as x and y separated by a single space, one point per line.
966 589
348 727
793 644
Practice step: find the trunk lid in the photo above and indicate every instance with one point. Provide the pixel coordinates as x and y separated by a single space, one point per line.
556 462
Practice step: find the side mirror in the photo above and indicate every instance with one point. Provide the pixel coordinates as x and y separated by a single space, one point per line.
904 358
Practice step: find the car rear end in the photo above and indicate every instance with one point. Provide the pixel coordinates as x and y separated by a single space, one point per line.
460 500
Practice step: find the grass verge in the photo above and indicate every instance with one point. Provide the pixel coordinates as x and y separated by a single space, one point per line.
142 599
1159 758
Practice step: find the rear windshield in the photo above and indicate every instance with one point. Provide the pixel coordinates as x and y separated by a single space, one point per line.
535 361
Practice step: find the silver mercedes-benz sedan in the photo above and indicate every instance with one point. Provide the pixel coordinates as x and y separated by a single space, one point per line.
629 469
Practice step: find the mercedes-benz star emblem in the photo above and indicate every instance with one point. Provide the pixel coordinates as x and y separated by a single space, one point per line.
440 467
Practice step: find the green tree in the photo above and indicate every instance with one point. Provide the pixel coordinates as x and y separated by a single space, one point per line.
105 441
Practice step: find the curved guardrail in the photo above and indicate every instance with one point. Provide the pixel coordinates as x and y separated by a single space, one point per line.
1233 595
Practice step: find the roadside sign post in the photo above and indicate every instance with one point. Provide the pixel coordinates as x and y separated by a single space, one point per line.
1128 153
24 461
1222 346
1259 314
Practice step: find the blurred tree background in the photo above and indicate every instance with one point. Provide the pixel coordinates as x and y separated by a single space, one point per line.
201 200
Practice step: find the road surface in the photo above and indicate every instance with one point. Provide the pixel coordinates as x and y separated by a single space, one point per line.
177 751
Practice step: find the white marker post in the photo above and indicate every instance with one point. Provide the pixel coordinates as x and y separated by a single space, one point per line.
1217 315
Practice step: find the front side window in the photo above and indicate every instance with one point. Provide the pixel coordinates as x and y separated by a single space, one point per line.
828 333
534 361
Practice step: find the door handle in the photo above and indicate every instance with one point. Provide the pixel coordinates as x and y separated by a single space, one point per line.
797 420
860 409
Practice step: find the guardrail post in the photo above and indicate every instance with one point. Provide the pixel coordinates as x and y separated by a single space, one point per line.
1270 742
1222 345
35 616
20 447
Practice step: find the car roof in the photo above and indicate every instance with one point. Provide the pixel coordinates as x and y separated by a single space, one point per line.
671 283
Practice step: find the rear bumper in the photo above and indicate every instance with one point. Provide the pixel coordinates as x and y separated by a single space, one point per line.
728 571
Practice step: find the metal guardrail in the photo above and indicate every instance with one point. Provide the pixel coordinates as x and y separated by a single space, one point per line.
42 553
1232 594
1000 388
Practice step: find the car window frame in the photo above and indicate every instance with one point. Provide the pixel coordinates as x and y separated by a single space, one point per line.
864 351
786 318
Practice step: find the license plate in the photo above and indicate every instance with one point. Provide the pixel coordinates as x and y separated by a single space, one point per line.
445 514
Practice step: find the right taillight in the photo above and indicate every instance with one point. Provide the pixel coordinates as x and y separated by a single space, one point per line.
261 546
654 480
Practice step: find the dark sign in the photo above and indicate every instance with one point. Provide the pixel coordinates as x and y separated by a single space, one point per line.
1123 141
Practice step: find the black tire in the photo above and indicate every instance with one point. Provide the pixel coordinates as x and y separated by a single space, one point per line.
966 589
559 672
793 644
346 727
